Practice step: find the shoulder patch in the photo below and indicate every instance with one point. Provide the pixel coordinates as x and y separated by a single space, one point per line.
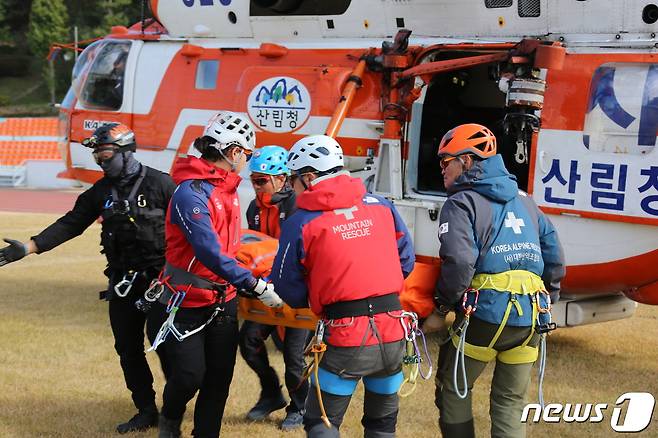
370 200
522 193
443 228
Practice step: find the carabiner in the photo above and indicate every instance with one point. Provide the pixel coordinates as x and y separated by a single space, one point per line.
175 301
471 308
549 304
154 291
125 282
319 332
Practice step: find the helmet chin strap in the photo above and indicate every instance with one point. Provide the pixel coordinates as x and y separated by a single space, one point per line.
233 164
301 180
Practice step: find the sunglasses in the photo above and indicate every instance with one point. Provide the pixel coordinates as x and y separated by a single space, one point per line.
247 153
260 181
295 176
446 160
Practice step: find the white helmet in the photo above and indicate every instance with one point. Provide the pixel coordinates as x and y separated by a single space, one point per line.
230 129
319 152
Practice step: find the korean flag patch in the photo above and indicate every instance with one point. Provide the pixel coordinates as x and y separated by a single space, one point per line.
443 228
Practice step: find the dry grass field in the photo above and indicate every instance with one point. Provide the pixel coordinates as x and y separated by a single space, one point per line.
60 377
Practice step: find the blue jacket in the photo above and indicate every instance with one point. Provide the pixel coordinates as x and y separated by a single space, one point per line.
489 226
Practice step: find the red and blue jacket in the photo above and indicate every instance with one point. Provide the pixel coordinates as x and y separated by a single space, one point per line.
203 229
342 245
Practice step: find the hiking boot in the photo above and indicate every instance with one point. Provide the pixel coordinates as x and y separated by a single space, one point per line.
141 421
266 405
169 428
292 421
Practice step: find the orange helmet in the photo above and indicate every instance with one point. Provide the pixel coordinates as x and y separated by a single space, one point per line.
469 138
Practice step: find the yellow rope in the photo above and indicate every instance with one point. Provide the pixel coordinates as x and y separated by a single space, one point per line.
411 371
317 353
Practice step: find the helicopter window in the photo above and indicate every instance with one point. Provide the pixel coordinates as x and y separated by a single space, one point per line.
497 3
206 74
622 109
529 8
103 85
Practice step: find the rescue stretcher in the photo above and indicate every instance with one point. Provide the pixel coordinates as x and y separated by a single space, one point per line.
257 254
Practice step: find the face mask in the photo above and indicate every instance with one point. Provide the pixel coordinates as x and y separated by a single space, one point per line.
113 167
265 199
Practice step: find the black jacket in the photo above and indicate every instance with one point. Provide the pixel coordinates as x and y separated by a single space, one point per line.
132 239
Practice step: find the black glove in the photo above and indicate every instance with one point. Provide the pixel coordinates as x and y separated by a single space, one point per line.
15 251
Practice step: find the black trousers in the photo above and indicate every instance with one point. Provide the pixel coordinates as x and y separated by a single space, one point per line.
254 352
203 362
128 329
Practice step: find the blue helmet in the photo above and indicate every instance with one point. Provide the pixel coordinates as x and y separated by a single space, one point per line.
270 160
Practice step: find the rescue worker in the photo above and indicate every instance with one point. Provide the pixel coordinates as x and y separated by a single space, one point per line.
275 201
494 240
203 236
131 199
346 253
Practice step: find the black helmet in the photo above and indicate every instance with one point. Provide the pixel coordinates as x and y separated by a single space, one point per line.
116 134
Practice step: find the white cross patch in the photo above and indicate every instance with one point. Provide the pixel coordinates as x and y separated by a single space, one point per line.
348 212
514 223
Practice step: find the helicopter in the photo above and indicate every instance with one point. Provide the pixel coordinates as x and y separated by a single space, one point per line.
570 88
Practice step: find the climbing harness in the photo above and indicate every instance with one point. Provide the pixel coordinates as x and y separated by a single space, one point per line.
460 361
349 310
162 287
411 361
516 283
123 287
316 349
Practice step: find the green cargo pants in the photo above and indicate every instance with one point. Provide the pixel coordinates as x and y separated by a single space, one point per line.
508 387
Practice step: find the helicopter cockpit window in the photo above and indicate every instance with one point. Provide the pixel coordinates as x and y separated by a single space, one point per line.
103 85
206 75
622 109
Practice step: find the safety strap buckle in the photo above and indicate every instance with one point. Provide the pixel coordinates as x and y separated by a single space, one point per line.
546 328
123 287
470 309
410 359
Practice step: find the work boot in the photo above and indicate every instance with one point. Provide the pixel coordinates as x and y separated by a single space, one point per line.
169 428
142 420
266 405
462 430
292 421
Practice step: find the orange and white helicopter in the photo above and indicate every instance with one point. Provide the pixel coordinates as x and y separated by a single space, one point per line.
569 87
